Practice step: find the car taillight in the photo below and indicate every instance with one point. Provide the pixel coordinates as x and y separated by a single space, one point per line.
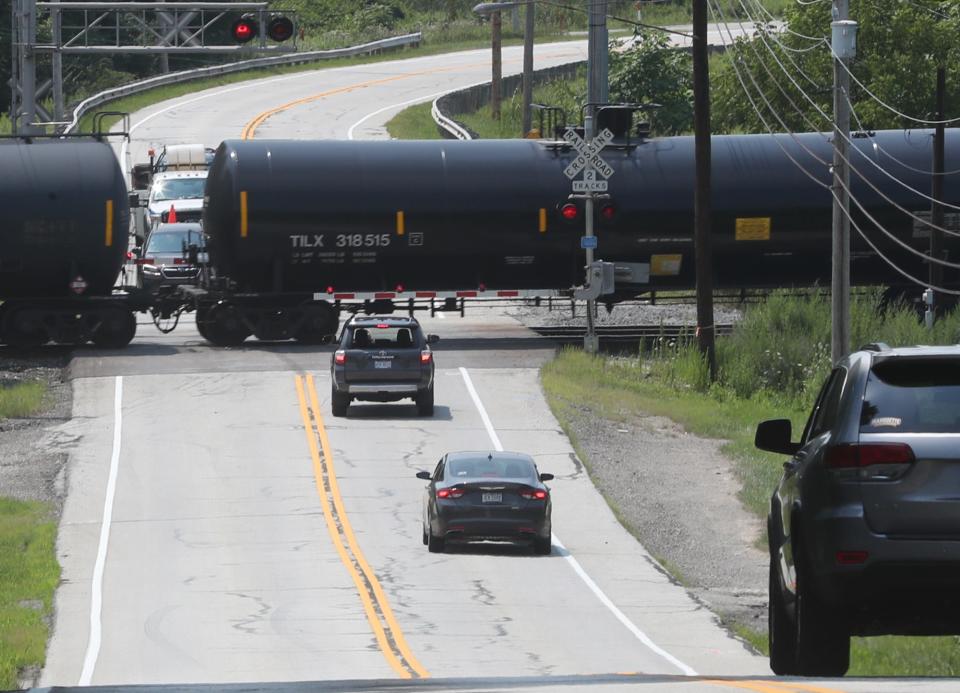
426 356
450 492
868 454
534 494
340 357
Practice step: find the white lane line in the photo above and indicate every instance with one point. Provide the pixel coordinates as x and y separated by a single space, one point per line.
497 445
574 563
410 102
96 588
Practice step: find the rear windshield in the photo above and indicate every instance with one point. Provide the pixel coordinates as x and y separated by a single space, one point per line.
388 337
487 468
912 396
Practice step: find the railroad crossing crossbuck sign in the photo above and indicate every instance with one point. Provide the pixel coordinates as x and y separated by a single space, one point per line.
589 161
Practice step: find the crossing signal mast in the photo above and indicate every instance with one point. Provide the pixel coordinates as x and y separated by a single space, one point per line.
109 28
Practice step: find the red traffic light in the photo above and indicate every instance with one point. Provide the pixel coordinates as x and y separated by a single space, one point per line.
280 28
244 29
569 211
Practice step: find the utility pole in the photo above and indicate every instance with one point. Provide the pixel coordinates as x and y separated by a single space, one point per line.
496 95
844 46
528 67
597 93
598 84
706 333
936 212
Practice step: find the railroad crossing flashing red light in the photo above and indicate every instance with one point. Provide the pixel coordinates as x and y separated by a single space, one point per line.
245 29
569 211
608 212
280 28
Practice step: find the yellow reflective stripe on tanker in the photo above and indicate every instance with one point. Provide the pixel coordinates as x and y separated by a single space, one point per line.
108 226
244 223
401 223
543 220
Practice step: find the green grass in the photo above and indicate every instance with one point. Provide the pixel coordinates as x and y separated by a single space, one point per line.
21 399
618 389
28 577
414 123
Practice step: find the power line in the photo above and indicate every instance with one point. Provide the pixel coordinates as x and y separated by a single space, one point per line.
814 178
828 119
815 39
890 262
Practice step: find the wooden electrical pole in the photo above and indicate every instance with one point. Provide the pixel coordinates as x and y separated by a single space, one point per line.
701 197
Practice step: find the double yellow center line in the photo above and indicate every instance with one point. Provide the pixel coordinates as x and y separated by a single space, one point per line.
384 624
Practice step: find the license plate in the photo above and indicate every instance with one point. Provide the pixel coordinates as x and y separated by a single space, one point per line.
382 364
492 498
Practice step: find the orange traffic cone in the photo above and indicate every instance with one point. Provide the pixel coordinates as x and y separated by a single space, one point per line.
172 217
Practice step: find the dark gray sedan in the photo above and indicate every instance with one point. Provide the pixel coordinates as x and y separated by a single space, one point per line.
864 526
486 496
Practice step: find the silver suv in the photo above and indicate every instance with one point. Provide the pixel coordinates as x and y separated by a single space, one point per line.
864 526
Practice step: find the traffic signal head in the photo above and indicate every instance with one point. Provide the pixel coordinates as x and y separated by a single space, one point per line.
245 29
280 28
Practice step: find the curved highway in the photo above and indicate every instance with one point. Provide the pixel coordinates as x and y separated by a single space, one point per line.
222 527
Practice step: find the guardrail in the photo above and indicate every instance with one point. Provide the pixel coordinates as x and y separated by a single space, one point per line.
474 97
103 97
448 126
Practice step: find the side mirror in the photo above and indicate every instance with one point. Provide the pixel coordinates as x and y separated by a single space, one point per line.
774 436
433 338
546 477
423 475
137 252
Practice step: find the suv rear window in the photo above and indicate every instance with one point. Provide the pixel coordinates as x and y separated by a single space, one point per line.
389 337
912 396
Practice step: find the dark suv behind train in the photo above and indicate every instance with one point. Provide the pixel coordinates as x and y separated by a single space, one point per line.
382 359
864 526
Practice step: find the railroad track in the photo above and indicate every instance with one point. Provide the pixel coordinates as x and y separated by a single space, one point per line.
626 333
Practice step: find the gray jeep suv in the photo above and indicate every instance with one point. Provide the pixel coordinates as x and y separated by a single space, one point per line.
864 526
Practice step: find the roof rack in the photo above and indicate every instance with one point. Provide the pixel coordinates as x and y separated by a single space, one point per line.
875 346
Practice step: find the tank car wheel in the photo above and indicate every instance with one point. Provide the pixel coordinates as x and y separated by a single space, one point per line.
203 323
319 322
19 331
226 326
116 329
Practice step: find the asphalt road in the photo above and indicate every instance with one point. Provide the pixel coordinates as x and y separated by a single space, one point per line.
222 527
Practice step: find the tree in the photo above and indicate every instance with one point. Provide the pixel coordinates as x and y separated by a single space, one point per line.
650 71
6 70
899 47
